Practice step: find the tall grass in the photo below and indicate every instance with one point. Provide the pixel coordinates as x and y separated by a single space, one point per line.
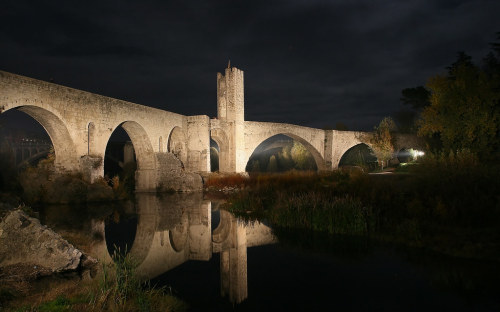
448 202
299 200
119 289
322 212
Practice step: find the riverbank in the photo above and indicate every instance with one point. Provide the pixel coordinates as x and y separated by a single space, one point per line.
37 276
452 210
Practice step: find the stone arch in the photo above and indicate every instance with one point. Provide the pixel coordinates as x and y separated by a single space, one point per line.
220 137
318 158
346 152
64 147
177 144
160 144
403 155
145 175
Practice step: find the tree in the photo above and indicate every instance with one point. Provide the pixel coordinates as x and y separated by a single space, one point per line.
405 120
302 158
273 165
465 107
382 140
417 98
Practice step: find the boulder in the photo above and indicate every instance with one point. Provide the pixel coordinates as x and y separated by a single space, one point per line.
23 240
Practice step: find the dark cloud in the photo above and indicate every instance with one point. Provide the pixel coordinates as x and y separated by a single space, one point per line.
313 63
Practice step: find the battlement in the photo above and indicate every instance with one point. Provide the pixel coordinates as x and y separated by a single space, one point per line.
230 95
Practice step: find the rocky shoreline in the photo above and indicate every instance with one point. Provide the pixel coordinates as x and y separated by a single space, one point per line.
30 251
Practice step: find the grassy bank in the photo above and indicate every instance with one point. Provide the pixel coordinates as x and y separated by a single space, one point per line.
447 205
115 288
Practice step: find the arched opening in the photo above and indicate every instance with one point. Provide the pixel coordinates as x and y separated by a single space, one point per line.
214 156
129 158
404 155
19 135
26 129
120 161
282 153
34 125
360 156
177 144
221 148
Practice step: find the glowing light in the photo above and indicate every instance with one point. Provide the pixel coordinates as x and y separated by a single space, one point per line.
416 153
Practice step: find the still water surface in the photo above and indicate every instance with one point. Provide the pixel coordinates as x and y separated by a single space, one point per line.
215 261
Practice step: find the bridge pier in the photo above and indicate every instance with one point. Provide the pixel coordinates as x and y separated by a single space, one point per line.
91 167
145 180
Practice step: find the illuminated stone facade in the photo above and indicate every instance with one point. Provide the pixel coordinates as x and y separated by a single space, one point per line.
80 124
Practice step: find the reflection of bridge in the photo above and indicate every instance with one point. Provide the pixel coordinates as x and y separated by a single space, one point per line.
25 152
80 124
177 228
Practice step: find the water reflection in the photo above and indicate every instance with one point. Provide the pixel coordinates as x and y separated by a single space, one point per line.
174 229
304 270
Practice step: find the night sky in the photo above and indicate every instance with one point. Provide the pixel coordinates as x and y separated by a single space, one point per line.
307 62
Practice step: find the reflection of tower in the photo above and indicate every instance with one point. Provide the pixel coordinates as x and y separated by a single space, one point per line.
231 113
233 258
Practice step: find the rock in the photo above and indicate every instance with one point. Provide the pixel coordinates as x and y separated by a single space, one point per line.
24 240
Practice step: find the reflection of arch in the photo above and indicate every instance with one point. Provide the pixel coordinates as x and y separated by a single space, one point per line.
220 137
358 155
178 235
147 221
64 148
318 158
221 233
177 144
90 138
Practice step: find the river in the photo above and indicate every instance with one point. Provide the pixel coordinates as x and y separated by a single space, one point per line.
215 261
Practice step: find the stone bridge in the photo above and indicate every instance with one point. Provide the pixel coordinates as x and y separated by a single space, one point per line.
80 124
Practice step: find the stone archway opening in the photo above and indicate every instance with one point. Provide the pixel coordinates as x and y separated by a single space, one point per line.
404 155
30 133
21 138
281 153
120 161
359 156
219 146
129 159
214 156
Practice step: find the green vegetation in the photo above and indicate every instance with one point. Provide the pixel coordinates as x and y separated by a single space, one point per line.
281 156
40 184
382 140
119 289
115 288
460 109
448 203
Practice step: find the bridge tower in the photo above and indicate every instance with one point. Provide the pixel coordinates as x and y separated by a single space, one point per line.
231 115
